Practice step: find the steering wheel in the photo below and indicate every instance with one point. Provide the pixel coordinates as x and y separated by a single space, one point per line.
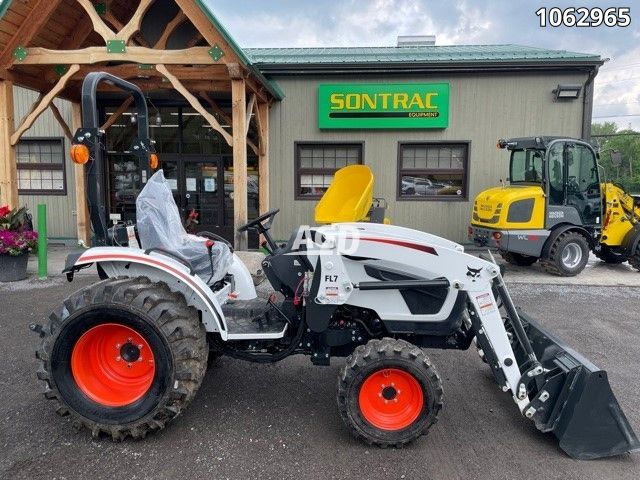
258 222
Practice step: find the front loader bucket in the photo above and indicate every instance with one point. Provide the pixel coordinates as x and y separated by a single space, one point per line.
576 402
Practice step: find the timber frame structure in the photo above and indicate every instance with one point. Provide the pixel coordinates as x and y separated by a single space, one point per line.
50 45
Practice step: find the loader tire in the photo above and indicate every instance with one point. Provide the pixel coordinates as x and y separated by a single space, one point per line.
518 259
122 357
634 260
567 256
389 394
610 255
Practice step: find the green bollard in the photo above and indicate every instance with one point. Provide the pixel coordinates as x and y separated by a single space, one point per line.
42 241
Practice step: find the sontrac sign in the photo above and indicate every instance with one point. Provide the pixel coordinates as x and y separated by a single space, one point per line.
384 106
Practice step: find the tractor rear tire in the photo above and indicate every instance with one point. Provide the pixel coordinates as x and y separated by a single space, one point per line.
518 259
389 394
123 357
567 256
609 255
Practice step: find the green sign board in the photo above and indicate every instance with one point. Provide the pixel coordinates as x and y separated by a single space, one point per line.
384 106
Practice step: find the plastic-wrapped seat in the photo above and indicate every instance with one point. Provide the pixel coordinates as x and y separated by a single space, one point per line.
160 227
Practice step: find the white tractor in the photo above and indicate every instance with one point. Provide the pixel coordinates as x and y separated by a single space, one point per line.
125 356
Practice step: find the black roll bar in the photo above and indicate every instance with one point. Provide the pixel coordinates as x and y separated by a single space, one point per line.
90 135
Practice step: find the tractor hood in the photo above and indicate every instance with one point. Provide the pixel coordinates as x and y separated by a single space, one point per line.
515 206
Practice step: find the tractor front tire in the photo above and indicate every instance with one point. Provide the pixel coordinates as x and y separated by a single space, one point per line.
610 255
518 259
389 394
123 357
567 256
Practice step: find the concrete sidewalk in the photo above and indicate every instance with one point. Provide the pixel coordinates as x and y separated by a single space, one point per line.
597 273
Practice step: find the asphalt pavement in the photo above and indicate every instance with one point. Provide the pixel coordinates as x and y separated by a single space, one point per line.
281 422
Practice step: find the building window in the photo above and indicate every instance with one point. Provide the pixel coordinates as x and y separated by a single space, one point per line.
41 169
316 163
433 171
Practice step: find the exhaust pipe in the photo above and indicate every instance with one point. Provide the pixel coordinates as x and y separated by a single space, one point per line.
573 399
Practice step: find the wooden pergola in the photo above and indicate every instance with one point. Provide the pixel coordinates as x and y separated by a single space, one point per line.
50 46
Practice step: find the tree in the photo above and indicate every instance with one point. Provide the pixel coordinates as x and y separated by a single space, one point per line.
609 138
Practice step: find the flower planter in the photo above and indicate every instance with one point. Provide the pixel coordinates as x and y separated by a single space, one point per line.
13 267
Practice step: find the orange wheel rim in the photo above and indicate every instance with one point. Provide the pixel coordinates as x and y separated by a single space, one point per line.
391 399
113 365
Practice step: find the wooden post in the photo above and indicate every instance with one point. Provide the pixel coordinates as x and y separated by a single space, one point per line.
239 118
82 209
8 170
263 156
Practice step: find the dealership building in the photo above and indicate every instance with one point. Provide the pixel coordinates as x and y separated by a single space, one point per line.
241 131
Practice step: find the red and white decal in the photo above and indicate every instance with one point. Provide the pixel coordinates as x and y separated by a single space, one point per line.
402 243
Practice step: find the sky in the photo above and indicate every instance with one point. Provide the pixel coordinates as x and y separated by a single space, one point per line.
325 23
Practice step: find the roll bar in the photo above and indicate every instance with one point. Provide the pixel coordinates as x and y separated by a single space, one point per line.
91 136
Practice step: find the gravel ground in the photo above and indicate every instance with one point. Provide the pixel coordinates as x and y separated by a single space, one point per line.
280 421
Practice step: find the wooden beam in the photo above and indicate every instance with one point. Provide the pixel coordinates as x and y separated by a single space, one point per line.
8 170
43 104
91 55
226 118
63 124
32 108
195 103
240 202
203 25
117 114
263 126
82 209
262 117
77 36
178 20
118 25
130 70
24 80
81 32
236 72
29 28
250 105
99 26
216 109
161 84
134 24
195 40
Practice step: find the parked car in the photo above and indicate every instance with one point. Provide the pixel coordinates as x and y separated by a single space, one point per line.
421 186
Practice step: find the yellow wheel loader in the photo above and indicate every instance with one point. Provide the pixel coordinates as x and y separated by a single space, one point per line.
556 209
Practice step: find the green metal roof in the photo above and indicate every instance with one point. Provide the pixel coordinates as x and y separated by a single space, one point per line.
419 54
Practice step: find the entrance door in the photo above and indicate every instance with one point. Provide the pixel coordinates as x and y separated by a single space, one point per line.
198 186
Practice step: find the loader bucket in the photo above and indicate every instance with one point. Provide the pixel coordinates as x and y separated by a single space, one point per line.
580 409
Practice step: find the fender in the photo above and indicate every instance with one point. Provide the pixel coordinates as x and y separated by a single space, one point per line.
559 230
631 240
132 262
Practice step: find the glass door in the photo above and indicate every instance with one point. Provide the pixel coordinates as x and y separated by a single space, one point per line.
204 194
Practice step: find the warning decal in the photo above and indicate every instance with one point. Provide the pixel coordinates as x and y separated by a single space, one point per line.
485 303
331 291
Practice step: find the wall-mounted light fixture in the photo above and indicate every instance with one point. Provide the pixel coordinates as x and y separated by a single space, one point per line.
567 92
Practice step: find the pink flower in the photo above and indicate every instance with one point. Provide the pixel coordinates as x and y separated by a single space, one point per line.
16 243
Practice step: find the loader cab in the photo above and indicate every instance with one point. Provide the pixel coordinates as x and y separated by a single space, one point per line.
572 184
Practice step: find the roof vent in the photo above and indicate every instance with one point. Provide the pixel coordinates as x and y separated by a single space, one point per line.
416 40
